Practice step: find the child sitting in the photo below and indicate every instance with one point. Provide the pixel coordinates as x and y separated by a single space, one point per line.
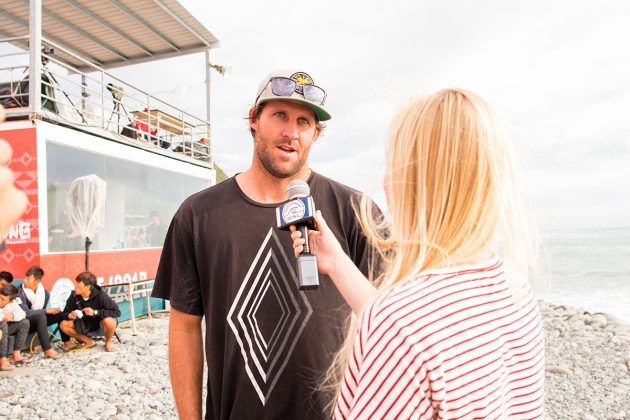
12 322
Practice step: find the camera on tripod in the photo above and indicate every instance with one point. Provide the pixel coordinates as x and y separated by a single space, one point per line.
117 91
117 94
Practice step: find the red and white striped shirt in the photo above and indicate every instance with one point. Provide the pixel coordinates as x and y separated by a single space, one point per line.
450 344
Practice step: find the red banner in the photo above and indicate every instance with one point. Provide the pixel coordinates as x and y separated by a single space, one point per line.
22 243
110 267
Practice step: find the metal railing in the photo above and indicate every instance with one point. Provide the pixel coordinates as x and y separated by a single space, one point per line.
102 101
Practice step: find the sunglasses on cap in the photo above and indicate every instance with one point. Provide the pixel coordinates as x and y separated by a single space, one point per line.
284 87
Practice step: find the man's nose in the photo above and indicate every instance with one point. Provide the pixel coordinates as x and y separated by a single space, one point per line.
291 130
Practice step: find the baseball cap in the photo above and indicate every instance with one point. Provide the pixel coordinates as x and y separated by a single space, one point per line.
312 96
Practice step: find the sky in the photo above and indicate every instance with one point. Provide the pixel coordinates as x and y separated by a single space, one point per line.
557 72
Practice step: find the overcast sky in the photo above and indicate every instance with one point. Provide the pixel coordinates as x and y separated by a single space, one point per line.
557 72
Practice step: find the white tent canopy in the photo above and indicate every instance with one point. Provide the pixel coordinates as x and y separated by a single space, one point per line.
110 33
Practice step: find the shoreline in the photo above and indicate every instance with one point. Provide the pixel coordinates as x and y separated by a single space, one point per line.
587 373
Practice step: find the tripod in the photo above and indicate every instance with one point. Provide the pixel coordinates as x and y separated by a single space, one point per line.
48 75
117 95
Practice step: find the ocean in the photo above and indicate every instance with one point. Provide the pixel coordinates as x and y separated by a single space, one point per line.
589 269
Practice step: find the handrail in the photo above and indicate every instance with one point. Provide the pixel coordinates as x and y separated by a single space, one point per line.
111 76
140 287
87 102
14 38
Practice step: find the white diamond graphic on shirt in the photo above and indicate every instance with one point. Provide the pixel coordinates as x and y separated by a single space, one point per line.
268 315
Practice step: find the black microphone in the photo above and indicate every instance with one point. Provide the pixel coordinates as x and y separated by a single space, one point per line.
299 210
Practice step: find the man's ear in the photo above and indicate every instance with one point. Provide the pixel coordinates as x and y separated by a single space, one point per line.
252 124
318 131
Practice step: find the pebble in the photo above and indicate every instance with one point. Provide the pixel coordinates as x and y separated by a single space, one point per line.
107 358
581 361
584 362
100 385
562 370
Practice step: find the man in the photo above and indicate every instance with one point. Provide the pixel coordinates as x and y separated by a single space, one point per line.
89 308
12 322
267 343
33 299
155 231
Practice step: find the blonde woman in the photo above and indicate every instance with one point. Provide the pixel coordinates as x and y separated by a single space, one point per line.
453 329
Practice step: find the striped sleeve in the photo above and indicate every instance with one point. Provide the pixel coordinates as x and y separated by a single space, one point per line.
376 388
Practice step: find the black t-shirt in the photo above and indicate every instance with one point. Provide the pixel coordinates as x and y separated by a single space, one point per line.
267 343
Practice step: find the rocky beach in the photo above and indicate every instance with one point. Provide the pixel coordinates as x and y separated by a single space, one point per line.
587 363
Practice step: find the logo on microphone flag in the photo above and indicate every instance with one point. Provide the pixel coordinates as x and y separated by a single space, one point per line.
295 211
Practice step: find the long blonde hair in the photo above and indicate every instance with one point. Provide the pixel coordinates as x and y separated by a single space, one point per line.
451 188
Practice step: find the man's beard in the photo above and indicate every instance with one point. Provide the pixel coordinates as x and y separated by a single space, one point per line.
269 164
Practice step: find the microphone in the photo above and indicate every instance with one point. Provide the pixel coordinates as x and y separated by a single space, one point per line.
299 210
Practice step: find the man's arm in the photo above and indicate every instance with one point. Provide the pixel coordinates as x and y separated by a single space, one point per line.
71 305
18 313
109 308
21 299
185 356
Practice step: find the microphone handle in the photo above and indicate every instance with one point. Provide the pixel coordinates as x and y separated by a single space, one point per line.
308 277
304 229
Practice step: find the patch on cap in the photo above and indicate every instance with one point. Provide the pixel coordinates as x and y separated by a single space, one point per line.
301 79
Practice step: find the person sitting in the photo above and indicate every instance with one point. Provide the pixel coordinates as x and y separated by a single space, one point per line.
5 278
33 299
12 322
89 308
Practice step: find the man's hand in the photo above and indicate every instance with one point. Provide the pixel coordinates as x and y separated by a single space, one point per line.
185 357
72 315
8 317
88 311
12 201
53 311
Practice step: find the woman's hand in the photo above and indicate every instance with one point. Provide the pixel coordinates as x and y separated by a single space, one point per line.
356 290
322 243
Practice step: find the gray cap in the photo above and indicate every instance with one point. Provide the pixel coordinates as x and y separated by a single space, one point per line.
265 94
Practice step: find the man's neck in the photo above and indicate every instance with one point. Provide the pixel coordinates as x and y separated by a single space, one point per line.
265 188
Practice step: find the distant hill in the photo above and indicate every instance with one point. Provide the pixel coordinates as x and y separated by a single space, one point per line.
221 176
